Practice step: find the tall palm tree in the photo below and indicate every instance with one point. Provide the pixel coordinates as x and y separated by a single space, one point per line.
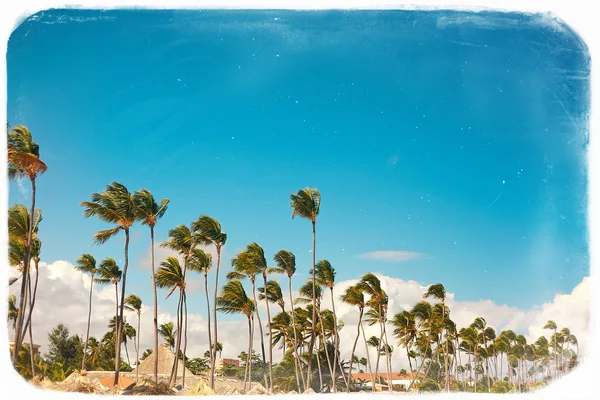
551 325
248 264
286 264
148 211
202 262
234 300
209 232
170 275
24 162
438 292
354 296
134 303
258 255
378 301
87 264
306 204
325 276
405 330
115 206
110 273
183 240
168 332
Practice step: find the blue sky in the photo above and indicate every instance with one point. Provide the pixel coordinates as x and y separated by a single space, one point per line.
456 136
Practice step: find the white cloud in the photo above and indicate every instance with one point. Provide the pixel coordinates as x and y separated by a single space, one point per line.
63 298
390 255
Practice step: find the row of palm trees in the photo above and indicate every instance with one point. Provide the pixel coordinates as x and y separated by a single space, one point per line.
309 335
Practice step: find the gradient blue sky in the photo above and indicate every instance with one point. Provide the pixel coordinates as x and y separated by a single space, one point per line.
456 136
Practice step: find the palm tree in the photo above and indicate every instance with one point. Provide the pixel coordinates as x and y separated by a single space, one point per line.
306 204
95 350
24 162
170 275
551 325
115 206
233 300
325 276
354 296
246 265
272 294
134 303
438 292
202 262
209 232
168 334
378 301
87 264
13 312
405 330
149 212
183 240
109 273
286 264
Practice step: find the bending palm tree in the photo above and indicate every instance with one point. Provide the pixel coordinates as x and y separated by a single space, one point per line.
109 273
209 232
134 303
170 275
552 326
24 161
201 262
116 206
183 240
87 264
286 264
168 333
438 292
233 300
354 296
149 211
246 265
306 204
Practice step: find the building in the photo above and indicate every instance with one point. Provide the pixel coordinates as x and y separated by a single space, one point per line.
36 347
221 362
399 382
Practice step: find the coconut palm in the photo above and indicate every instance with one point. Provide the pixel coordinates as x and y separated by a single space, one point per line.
201 262
168 332
183 240
438 292
110 273
234 300
87 264
286 264
170 275
24 162
134 303
115 206
405 330
148 211
210 233
325 276
354 296
306 204
248 264
13 311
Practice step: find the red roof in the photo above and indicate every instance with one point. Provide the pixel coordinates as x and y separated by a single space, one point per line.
365 376
123 382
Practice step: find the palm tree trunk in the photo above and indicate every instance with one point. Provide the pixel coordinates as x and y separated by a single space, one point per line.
262 340
368 356
120 322
355 342
249 354
314 309
388 357
319 367
270 387
127 353
117 342
213 352
155 311
30 334
322 339
248 359
87 335
26 262
414 378
184 339
137 349
210 345
335 338
173 378
31 298
296 360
